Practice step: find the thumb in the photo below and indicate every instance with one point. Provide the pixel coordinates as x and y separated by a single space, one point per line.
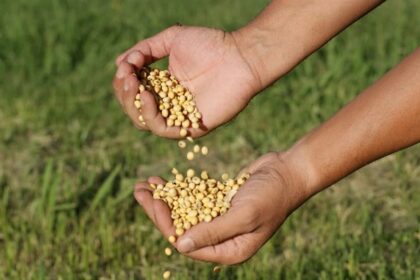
155 47
233 223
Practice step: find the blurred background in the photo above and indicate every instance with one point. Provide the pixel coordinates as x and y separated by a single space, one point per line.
69 157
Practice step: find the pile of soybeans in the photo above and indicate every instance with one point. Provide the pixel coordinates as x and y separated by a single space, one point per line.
175 102
192 197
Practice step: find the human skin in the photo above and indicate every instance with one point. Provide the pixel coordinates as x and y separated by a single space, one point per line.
225 70
383 119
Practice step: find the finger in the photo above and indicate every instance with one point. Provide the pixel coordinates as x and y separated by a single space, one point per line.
118 82
163 220
154 119
232 251
157 210
155 47
156 180
131 85
136 59
123 71
234 222
162 212
143 195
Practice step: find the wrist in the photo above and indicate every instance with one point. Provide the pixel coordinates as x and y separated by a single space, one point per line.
302 173
268 60
277 40
293 168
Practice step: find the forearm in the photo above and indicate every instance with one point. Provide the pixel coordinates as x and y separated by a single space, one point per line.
287 31
383 119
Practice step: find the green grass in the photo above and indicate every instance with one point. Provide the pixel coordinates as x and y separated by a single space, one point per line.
69 157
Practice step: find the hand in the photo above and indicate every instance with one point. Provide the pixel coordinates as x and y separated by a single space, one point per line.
207 61
257 211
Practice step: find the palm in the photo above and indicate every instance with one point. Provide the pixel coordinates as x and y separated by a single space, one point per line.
257 210
262 204
208 62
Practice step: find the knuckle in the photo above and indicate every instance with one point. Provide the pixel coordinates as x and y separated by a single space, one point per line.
174 28
170 32
210 238
214 237
205 237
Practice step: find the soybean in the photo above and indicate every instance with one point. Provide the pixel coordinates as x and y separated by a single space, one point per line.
175 102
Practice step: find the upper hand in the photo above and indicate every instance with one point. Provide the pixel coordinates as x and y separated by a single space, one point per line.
207 61
257 211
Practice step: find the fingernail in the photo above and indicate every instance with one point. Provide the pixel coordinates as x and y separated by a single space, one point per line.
140 194
120 73
185 245
132 57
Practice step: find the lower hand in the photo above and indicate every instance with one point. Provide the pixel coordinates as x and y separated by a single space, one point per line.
258 209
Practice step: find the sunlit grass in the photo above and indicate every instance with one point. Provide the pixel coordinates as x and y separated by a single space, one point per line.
69 157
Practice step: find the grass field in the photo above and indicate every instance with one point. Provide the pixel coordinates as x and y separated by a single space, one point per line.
69 157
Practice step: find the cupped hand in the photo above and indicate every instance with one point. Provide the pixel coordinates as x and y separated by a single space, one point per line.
257 211
207 61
